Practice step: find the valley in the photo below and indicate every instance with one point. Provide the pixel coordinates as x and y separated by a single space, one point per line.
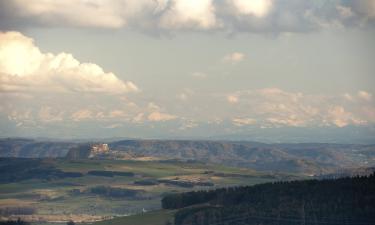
89 190
125 181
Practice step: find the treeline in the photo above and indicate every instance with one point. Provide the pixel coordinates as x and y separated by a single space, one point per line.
105 173
18 169
22 210
14 222
115 192
340 201
176 182
146 182
186 183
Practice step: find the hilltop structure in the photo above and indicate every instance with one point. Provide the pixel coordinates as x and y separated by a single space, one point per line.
89 151
98 149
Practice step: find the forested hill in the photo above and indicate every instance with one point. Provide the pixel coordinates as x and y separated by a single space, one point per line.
341 201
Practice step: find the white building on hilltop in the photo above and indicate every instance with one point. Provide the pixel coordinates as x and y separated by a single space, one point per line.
98 149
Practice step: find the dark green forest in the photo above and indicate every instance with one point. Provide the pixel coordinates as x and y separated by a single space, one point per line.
308 202
19 169
14 222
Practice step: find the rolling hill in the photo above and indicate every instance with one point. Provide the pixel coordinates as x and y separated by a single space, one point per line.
308 158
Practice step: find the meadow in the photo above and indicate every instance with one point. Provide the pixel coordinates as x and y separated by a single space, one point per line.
127 187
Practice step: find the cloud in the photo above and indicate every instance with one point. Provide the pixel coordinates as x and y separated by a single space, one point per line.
185 94
348 97
291 121
234 57
232 99
117 113
83 114
82 13
274 107
159 116
364 95
243 121
360 96
230 16
341 118
160 14
45 79
257 8
48 115
249 109
196 14
19 116
345 12
365 8
153 106
24 68
138 118
113 126
49 11
188 124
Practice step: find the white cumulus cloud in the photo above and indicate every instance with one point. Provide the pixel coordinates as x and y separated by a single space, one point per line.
23 68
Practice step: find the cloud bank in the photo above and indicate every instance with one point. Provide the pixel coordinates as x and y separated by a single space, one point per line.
265 16
274 107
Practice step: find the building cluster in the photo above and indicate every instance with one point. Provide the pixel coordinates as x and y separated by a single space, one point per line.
98 149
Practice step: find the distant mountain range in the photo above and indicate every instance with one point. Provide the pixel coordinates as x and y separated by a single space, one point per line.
307 158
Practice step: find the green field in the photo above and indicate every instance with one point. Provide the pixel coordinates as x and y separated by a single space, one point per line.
160 217
61 199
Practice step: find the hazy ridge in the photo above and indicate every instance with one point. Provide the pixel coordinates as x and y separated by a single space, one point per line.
307 158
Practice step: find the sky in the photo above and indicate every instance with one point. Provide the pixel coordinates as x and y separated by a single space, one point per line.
261 70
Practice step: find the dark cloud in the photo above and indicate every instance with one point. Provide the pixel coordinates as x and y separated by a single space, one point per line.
233 16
